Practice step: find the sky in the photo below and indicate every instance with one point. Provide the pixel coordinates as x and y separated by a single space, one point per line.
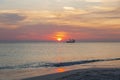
51 20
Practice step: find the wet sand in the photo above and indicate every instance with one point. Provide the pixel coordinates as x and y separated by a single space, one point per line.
83 74
106 70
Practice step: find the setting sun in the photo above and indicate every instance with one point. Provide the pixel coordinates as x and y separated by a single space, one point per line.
59 39
59 36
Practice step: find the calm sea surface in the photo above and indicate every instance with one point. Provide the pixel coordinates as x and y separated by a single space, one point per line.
25 55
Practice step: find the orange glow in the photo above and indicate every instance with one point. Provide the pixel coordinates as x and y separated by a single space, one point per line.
60 70
59 36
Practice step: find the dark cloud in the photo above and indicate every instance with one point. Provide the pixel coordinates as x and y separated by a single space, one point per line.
110 14
11 18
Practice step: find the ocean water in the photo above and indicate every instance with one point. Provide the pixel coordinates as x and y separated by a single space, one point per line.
38 54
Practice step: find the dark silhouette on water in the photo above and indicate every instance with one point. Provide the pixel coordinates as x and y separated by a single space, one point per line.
70 41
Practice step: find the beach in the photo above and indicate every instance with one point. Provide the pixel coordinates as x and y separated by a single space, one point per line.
109 70
83 74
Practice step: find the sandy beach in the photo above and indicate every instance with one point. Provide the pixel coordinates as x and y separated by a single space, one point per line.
83 74
109 70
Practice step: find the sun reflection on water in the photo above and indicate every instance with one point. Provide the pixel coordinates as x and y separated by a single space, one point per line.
59 70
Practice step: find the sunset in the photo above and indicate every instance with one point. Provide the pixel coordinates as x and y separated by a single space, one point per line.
59 36
59 39
35 20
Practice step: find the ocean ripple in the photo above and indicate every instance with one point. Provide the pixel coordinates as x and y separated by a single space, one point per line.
61 64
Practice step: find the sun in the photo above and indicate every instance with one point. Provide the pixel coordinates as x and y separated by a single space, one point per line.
59 39
59 36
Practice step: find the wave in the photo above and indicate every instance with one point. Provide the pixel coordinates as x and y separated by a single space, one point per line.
83 62
61 64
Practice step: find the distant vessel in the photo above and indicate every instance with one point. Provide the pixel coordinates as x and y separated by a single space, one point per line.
70 41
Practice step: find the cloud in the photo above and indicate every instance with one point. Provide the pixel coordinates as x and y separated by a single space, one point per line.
87 19
102 16
69 8
10 18
93 0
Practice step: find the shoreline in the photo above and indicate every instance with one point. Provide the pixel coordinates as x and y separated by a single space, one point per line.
82 74
64 73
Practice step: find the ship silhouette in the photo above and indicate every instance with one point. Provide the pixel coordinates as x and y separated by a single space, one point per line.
70 41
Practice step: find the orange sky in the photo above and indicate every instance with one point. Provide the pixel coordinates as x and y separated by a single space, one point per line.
48 20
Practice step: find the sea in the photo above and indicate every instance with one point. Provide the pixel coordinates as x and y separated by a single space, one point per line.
39 55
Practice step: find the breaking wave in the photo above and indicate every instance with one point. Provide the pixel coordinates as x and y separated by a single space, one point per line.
61 64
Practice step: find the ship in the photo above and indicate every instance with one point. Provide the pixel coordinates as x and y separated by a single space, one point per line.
70 41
